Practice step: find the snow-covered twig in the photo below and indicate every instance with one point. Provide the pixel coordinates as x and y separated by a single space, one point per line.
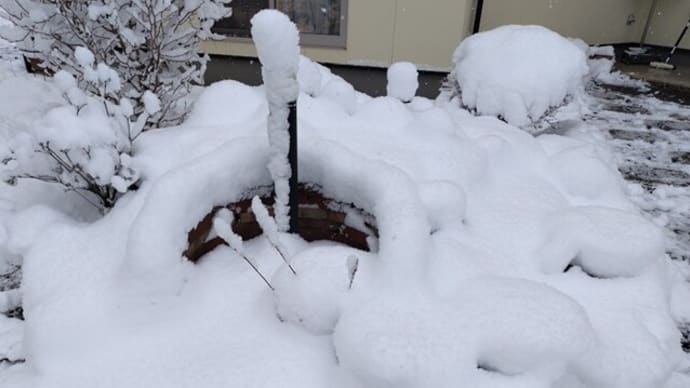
222 222
268 225
352 266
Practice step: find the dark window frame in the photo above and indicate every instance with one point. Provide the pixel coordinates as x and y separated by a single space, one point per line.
306 39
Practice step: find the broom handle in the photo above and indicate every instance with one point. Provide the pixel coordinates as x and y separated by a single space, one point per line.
682 34
647 22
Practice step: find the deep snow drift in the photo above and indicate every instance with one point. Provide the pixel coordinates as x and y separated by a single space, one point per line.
502 259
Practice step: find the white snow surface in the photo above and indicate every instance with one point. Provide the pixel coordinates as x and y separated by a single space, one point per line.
493 269
402 81
518 72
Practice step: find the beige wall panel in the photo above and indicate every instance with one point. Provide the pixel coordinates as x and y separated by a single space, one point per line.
668 21
595 21
427 32
370 30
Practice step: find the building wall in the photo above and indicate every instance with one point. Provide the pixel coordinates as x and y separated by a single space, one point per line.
594 21
380 32
427 32
668 21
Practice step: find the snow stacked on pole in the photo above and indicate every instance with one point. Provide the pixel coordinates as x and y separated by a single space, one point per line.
402 81
518 72
277 44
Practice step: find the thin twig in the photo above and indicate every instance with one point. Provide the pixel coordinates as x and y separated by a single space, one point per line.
257 271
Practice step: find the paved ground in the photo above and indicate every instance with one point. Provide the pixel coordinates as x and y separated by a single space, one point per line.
680 76
651 136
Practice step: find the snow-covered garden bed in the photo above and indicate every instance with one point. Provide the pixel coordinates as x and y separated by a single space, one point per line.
501 259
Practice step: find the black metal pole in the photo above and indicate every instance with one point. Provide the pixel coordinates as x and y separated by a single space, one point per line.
478 16
294 177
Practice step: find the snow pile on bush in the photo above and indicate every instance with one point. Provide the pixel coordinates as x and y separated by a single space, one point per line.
80 142
518 72
152 46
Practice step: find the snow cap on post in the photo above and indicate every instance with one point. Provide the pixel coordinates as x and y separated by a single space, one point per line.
277 41
402 81
277 44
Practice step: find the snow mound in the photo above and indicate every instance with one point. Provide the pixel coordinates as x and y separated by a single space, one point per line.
313 297
404 341
605 242
214 101
154 247
417 340
554 329
518 72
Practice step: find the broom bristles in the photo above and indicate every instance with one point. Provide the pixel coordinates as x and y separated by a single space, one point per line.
662 65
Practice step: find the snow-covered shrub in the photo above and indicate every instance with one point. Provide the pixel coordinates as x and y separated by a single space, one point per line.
83 144
150 44
517 72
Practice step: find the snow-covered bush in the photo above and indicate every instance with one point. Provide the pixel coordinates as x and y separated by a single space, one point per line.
84 144
121 67
150 44
517 72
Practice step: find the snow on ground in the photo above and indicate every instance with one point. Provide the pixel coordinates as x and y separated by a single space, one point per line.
503 259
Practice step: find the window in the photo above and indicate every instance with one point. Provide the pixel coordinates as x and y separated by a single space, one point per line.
320 22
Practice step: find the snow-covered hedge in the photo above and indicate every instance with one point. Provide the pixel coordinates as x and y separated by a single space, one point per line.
152 46
82 143
518 72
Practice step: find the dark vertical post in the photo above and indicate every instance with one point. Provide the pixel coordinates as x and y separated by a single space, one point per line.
478 16
294 176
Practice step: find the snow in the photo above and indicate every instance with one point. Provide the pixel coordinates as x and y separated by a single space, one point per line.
309 76
313 297
402 81
341 93
152 104
267 223
605 242
277 44
518 72
222 222
84 57
501 260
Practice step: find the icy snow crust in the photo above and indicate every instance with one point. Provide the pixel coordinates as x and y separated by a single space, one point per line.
500 263
518 72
